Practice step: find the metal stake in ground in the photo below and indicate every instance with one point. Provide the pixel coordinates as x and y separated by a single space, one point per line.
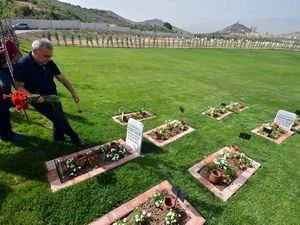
9 64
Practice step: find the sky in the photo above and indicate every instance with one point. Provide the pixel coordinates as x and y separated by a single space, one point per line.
203 16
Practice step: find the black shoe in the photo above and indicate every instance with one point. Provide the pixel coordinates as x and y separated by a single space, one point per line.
59 139
15 137
79 144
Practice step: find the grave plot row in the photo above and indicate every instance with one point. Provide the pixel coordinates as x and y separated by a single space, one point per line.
224 110
158 206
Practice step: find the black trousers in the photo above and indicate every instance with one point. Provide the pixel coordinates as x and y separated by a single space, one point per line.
5 126
61 126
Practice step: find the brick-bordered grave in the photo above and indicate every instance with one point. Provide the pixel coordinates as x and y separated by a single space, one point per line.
140 116
168 132
124 210
79 166
217 112
278 137
224 192
236 106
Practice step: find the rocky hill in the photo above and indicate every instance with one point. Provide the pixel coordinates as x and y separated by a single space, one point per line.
56 10
233 30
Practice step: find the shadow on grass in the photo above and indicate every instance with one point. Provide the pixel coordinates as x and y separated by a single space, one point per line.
29 162
4 190
79 119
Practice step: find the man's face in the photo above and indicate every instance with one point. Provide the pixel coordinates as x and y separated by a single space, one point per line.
42 55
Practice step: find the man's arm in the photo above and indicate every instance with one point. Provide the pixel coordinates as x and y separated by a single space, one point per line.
68 85
20 87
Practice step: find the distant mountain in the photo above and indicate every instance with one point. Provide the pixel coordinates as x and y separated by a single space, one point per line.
233 30
56 10
293 36
158 22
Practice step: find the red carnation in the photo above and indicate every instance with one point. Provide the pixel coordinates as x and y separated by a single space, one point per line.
4 96
19 107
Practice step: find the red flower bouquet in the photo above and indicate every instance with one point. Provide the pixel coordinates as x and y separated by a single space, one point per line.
21 100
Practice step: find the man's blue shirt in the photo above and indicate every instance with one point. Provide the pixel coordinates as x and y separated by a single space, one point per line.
38 78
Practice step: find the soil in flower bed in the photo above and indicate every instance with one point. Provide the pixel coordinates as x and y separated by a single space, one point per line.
95 158
140 115
171 129
157 214
221 186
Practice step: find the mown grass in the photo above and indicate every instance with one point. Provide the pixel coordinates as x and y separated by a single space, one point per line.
161 80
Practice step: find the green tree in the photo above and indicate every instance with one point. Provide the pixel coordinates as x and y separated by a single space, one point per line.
168 26
7 9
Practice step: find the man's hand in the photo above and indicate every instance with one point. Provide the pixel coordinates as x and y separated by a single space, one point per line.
75 97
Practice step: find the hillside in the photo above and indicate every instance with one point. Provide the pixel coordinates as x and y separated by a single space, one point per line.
56 10
234 29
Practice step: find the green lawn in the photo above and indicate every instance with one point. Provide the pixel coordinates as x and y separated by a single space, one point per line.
161 80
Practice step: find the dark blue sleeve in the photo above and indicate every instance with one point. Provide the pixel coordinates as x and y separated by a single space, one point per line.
19 72
54 69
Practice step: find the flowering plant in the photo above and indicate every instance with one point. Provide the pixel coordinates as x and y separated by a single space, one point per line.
158 199
171 217
140 216
228 163
215 112
141 114
236 106
122 222
112 151
72 167
171 129
21 100
274 130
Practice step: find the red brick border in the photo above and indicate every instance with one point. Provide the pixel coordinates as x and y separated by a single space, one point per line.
163 143
233 187
127 114
278 140
55 181
123 210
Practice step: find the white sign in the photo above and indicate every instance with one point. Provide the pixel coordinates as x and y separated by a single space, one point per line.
285 119
135 135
